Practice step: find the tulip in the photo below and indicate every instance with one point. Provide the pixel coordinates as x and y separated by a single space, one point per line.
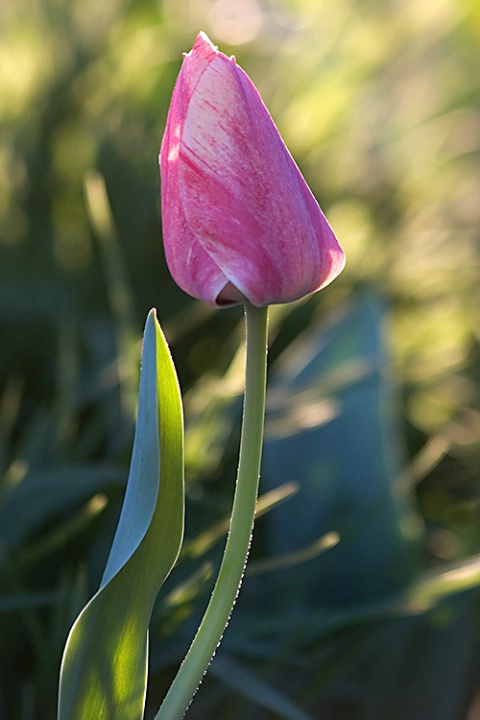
240 224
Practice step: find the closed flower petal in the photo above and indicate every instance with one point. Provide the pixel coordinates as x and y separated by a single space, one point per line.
239 222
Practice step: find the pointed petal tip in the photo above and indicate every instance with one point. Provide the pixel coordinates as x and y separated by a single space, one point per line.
204 45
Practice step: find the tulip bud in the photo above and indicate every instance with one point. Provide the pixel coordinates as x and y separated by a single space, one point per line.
239 221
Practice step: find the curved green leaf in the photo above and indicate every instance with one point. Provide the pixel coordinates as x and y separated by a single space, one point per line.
104 667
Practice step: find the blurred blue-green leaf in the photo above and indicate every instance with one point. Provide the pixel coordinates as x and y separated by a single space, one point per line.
333 427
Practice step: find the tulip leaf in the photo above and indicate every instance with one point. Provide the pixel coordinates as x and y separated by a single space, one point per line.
334 427
104 668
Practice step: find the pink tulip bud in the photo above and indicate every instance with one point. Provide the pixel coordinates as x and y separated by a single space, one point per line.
240 223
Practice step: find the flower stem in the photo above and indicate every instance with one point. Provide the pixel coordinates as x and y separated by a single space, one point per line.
237 546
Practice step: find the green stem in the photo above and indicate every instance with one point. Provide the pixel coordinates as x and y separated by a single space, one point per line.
237 546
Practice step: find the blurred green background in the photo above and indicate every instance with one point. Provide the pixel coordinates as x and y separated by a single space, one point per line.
362 600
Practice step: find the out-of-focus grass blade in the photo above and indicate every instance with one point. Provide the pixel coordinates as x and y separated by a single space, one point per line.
40 496
425 594
104 666
119 294
320 545
16 602
248 684
431 588
203 542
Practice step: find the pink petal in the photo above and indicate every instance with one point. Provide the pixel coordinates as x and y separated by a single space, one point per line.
236 208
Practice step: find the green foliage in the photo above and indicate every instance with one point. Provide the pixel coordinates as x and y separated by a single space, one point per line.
378 103
104 667
334 385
